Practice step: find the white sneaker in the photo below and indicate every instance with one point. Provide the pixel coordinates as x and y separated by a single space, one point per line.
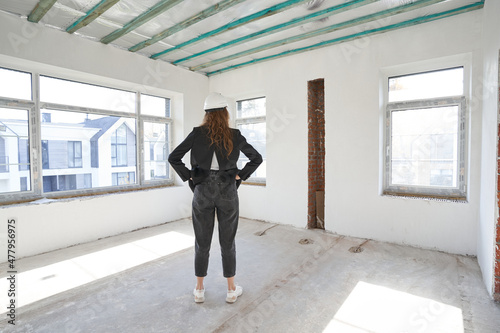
199 295
232 295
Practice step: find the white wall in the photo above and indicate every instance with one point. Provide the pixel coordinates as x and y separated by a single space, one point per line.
352 74
47 226
284 198
487 93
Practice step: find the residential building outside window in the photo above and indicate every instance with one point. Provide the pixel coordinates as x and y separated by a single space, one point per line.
88 137
251 121
81 139
425 139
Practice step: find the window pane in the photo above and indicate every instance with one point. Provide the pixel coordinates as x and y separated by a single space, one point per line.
15 84
85 141
425 147
66 92
121 155
449 82
14 151
155 106
123 147
74 154
251 108
156 150
255 133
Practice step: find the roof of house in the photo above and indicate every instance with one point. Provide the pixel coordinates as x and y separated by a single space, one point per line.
104 124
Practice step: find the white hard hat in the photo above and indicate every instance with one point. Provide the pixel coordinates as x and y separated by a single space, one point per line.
215 100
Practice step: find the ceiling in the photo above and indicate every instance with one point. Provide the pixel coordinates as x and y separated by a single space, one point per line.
215 36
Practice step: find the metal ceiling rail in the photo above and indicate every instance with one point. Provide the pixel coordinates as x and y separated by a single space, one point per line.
154 11
339 26
91 15
41 8
232 25
283 26
371 32
212 10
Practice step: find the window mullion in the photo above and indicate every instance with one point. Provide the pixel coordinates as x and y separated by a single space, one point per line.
35 129
62 107
462 137
388 148
139 139
250 120
157 119
16 103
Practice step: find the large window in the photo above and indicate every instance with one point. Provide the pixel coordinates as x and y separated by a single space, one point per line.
425 134
251 121
84 137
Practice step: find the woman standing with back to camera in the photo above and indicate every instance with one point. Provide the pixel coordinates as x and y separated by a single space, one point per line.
214 178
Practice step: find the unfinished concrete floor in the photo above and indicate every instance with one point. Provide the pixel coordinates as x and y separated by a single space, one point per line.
294 280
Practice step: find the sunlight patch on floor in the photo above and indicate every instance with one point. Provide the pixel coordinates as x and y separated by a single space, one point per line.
372 308
52 279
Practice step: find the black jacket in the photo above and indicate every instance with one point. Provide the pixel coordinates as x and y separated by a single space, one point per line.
201 157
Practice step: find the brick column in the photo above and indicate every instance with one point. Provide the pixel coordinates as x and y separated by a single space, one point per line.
316 151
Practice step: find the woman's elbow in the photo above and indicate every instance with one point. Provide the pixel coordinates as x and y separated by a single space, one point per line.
171 159
258 159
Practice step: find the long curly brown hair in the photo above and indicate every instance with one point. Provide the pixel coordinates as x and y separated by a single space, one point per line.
216 122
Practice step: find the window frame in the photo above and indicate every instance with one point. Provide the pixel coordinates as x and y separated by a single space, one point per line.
35 107
438 192
252 120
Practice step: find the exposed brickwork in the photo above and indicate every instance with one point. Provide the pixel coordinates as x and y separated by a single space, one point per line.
316 147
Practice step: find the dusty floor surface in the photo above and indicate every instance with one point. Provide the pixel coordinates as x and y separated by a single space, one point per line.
294 280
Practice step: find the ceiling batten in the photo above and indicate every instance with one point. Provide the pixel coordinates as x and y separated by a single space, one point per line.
41 8
217 8
91 15
371 32
280 27
335 27
154 11
232 25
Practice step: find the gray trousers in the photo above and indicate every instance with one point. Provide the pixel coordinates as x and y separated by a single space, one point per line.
215 195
